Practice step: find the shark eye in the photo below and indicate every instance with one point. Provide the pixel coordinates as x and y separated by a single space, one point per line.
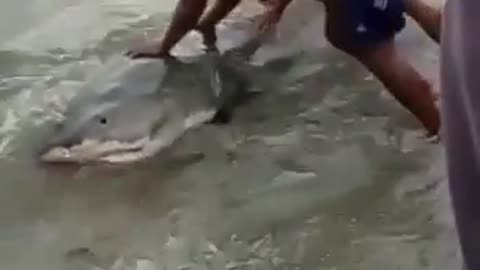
102 120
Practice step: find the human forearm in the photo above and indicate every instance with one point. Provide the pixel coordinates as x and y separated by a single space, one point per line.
281 5
219 11
185 18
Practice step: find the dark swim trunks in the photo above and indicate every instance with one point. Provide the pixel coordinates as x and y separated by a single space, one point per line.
372 21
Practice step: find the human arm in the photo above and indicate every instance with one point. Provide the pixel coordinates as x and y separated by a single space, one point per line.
273 15
185 18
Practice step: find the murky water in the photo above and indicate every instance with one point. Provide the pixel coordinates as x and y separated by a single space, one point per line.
325 174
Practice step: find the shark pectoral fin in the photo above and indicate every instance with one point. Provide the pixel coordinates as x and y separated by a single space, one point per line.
246 96
222 117
225 113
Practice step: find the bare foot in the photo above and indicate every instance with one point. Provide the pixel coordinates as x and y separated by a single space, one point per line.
433 139
429 137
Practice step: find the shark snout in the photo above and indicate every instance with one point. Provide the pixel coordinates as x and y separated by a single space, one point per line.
56 143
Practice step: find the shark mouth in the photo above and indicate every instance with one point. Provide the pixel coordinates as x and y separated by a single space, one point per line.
121 152
91 151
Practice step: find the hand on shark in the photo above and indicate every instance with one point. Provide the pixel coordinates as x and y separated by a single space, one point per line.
209 36
272 15
148 49
270 19
156 49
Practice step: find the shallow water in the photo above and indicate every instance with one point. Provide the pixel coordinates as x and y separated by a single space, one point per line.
327 173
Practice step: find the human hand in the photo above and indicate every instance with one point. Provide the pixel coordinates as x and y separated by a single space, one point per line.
270 18
147 49
209 36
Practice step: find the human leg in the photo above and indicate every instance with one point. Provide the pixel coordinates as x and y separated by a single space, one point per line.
218 12
428 17
371 41
408 86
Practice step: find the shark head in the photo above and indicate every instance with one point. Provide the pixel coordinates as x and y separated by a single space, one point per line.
115 131
133 114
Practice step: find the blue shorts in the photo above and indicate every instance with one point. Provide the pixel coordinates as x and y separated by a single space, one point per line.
368 22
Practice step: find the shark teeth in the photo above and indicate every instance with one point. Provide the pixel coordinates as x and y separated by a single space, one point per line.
95 150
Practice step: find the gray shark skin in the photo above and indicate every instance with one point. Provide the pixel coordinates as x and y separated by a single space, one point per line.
133 109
